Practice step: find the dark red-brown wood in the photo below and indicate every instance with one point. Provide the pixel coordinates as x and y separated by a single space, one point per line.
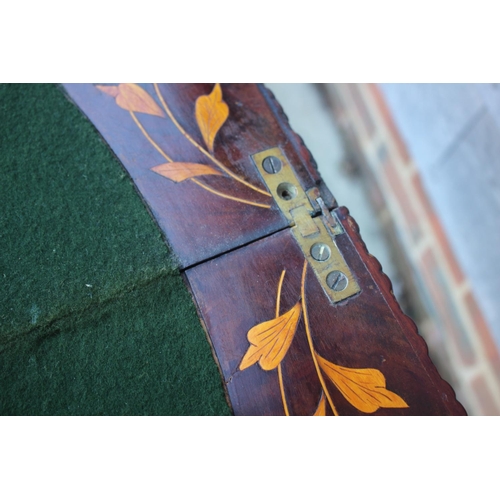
234 254
236 291
197 224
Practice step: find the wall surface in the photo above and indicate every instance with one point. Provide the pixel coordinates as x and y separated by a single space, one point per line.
432 153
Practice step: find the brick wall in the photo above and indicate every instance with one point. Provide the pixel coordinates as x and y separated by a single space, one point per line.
453 321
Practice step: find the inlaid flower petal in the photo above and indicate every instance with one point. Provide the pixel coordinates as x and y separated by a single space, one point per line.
179 172
270 340
364 388
211 112
133 98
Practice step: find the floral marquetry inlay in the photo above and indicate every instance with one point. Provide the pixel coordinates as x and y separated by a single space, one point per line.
270 341
210 112
363 388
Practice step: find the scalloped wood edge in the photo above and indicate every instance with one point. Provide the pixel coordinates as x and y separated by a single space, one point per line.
420 348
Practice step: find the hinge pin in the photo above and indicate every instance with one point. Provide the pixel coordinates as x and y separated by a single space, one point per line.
316 236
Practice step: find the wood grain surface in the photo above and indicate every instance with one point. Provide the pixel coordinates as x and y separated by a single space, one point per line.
282 345
198 224
238 291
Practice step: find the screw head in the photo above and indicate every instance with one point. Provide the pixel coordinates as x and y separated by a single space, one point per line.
272 164
320 252
337 281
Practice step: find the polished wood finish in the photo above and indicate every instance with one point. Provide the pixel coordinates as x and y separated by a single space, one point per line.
237 291
198 224
284 347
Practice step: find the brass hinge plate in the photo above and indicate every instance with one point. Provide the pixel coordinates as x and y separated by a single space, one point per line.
315 235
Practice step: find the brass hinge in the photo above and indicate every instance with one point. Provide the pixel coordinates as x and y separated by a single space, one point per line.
315 235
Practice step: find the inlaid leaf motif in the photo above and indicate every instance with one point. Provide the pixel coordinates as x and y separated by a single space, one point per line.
132 97
270 340
179 172
321 409
364 388
111 90
211 112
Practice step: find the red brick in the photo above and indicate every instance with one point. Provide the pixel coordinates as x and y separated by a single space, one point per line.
455 268
362 109
403 199
448 315
389 122
483 332
481 390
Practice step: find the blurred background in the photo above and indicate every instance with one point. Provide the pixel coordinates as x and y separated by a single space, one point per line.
418 166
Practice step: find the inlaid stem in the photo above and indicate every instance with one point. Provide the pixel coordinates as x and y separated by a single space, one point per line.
203 150
196 181
280 373
309 340
148 137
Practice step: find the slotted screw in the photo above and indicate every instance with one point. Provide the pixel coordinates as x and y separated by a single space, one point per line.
320 252
337 281
272 164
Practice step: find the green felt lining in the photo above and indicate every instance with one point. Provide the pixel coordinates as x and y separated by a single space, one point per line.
94 315
143 354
